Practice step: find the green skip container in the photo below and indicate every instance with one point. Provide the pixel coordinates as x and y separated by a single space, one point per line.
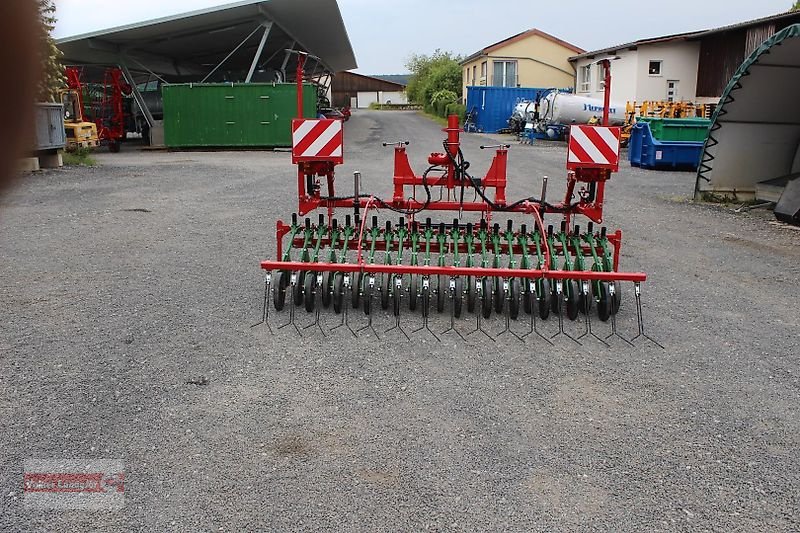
247 115
678 129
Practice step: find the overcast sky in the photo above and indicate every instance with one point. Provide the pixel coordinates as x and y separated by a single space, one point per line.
384 33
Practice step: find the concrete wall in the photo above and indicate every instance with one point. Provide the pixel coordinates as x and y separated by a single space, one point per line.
631 80
541 62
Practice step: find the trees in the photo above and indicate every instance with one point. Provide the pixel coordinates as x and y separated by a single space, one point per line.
431 74
796 6
52 72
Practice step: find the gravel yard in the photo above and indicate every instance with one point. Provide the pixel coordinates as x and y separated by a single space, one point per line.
128 293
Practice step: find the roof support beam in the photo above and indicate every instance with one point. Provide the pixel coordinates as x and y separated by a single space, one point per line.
148 116
267 29
227 57
286 59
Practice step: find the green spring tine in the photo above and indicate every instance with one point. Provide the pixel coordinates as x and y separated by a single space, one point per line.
428 239
512 262
496 249
441 237
388 238
374 232
551 242
567 262
402 235
484 245
335 233
598 264
608 261
537 239
414 247
321 232
469 238
287 256
309 235
349 231
579 260
456 236
522 240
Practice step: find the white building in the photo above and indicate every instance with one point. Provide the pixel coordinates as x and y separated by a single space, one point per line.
692 67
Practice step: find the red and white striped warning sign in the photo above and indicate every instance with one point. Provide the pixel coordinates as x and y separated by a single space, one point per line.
593 147
317 140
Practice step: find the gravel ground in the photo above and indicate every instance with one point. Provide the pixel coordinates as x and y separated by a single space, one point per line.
122 283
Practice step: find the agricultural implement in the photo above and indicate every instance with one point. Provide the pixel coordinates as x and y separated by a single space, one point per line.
524 271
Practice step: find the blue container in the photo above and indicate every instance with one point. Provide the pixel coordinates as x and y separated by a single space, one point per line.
646 152
493 105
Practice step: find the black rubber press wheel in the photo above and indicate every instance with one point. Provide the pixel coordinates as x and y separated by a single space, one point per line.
472 294
327 289
338 293
366 296
310 290
572 300
616 300
297 290
356 287
396 295
386 288
604 303
544 299
413 292
513 298
458 298
279 289
442 287
486 297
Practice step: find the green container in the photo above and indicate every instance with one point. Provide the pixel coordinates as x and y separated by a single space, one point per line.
229 115
678 129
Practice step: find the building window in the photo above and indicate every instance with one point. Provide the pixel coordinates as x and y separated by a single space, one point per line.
483 70
654 68
585 79
474 75
505 74
601 77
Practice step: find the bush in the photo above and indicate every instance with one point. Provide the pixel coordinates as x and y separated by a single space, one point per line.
456 109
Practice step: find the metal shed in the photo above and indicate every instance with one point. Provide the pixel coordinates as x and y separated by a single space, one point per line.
242 42
755 132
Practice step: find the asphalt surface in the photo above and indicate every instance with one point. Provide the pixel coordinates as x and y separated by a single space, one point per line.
128 291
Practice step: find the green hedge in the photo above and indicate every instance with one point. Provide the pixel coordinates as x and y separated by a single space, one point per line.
444 109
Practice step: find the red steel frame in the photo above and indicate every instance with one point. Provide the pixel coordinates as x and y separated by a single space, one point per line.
495 179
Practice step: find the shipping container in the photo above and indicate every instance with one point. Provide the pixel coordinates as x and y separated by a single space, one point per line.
678 129
646 151
250 115
493 106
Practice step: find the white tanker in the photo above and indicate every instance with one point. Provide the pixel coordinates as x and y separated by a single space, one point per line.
566 109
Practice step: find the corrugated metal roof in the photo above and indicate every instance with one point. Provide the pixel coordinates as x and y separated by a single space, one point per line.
789 16
192 43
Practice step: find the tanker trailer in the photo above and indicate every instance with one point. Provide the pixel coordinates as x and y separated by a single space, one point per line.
558 109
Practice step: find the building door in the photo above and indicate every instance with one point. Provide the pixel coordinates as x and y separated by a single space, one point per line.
672 90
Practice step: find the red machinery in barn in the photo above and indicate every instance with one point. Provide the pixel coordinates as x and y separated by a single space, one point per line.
103 104
529 267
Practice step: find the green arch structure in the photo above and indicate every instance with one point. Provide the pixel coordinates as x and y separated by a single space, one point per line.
755 130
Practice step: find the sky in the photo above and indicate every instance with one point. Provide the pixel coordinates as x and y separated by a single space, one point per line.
385 33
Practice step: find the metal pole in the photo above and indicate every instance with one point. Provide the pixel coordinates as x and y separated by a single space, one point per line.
267 28
301 61
607 92
148 116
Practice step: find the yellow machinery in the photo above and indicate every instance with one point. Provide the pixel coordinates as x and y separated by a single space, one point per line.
80 134
657 109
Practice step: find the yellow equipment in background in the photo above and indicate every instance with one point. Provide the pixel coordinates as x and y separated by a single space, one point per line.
80 134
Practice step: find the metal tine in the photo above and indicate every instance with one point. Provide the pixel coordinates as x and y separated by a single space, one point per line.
614 331
588 315
371 281
640 317
293 307
345 320
507 314
265 310
426 315
534 311
398 288
317 306
479 313
560 300
453 312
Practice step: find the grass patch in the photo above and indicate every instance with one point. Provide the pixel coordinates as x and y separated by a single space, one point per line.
436 118
80 157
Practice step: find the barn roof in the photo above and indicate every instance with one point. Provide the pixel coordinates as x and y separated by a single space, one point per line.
193 43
